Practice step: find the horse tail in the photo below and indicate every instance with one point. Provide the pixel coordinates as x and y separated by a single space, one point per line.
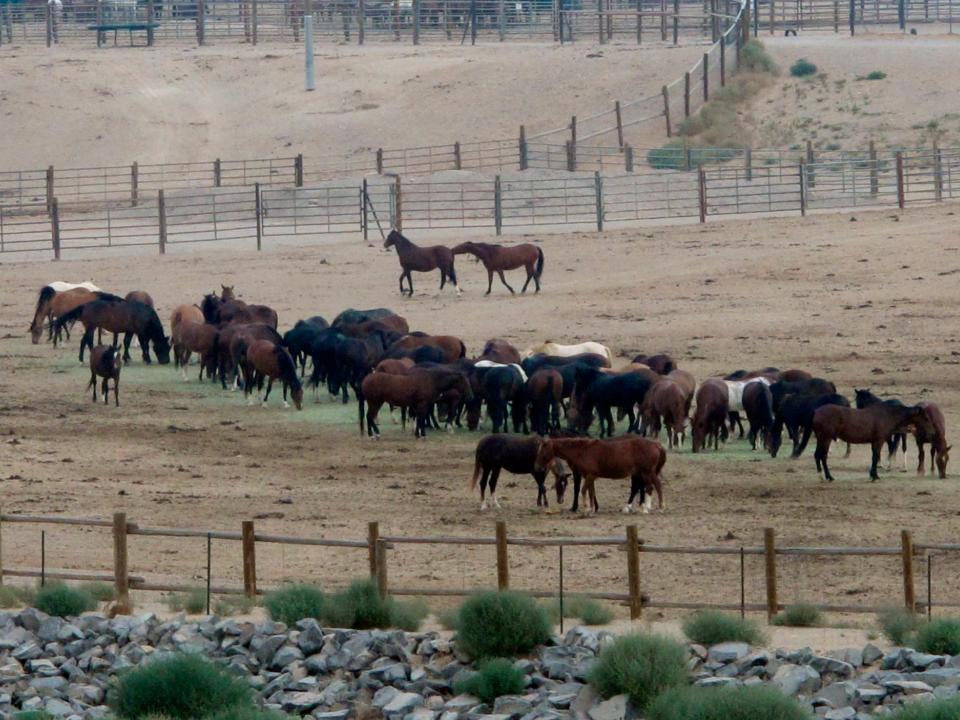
476 470
452 273
463 350
288 368
45 296
539 270
68 317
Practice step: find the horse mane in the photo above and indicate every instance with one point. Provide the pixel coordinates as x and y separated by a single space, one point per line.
45 296
288 369
209 307
69 317
108 297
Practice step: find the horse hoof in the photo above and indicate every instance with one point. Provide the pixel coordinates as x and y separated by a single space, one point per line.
627 510
286 405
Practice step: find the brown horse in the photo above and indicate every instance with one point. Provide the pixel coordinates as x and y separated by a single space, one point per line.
687 383
497 258
932 429
516 455
661 364
666 403
637 458
200 338
414 258
870 425
710 418
47 294
417 391
452 347
228 348
226 293
181 314
217 312
500 351
139 296
129 318
545 393
57 304
261 359
105 363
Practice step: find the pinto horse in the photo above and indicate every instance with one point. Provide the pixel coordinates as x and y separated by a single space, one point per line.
129 318
261 359
637 458
518 456
873 425
414 258
46 294
497 258
105 363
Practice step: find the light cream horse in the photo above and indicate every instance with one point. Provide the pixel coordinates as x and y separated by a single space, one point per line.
557 350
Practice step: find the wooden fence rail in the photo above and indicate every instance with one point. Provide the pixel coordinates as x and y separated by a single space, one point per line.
377 547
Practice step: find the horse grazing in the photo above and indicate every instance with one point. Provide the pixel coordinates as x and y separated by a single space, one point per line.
593 389
105 362
873 425
637 458
416 391
758 406
130 318
709 420
350 316
263 359
933 430
228 348
661 364
45 296
545 394
500 351
299 339
182 314
51 306
503 388
666 403
452 347
814 386
414 258
498 258
796 413
140 296
200 338
218 312
394 324
553 349
517 455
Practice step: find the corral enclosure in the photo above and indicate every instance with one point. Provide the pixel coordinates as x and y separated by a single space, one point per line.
818 293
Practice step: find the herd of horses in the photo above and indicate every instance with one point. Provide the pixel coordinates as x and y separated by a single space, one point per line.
556 392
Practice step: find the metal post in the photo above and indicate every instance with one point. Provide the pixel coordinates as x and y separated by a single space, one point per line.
929 587
209 543
298 170
310 80
803 192
723 63
55 227
162 222
853 17
498 205
201 24
743 585
628 158
619 116
373 539
134 184
686 94
522 149
811 174
706 77
598 195
748 163
901 194
364 217
457 162
216 173
255 20
379 161
398 205
676 22
502 21
43 553
361 21
702 188
561 588
666 108
258 208
416 22
937 172
50 186
874 171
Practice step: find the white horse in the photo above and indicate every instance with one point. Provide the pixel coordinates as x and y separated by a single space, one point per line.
492 364
557 350
61 286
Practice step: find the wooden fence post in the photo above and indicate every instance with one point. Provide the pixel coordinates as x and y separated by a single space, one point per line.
745 21
48 18
639 8
457 160
121 578
298 170
364 211
628 158
573 139
501 21
666 109
619 115
216 173
748 163
633 572
398 204
801 169
600 21
134 184
1 540
770 557
379 161
811 175
702 192
373 538
249 558
382 568
663 20
258 209
836 16
906 554
853 17
498 205
686 94
162 222
55 227
706 77
503 566
901 193
50 188
598 196
874 171
522 149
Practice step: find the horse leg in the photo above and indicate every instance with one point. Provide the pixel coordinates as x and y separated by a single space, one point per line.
483 488
116 390
443 278
577 480
875 447
269 388
489 282
494 476
530 274
903 446
920 457
635 484
93 384
892 443
803 442
820 455
126 349
504 281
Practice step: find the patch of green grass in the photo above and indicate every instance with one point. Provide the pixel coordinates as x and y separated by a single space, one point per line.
747 703
801 615
182 687
362 607
501 624
803 68
939 637
933 710
291 603
11 596
63 600
709 627
449 619
590 611
642 666
897 625
99 591
873 75
192 602
494 678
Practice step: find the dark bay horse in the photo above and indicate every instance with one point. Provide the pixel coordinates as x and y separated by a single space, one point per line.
710 418
930 429
262 359
219 312
414 258
417 392
105 363
498 258
517 455
500 351
129 318
228 347
52 304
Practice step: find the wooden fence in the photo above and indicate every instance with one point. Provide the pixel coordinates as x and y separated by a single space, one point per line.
377 549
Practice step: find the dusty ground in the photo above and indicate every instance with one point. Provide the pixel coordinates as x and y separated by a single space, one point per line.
842 299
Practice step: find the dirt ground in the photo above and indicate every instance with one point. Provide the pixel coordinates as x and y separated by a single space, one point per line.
868 303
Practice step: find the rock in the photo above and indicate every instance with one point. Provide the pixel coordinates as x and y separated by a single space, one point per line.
907 687
389 674
854 656
727 652
844 713
58 708
871 694
301 702
385 695
710 682
267 647
10 669
27 651
837 695
49 629
616 708
871 653
512 705
754 659
796 679
582 637
831 666
332 715
49 686
402 703
285 656
921 661
311 637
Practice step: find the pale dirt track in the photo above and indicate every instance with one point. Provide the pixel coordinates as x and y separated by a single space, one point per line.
866 303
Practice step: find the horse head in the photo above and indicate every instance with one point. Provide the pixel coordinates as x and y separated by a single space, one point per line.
36 332
226 292
561 474
392 239
545 456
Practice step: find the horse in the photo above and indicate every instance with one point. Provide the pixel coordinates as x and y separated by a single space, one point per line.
557 350
414 258
200 338
595 390
416 391
352 360
130 318
661 364
300 338
639 459
392 324
932 430
517 455
873 425
51 304
452 347
181 314
355 317
497 258
263 359
500 351
758 406
865 398
709 420
218 312
687 383
226 293
736 389
227 347
666 402
812 386
105 362
796 412
46 294
544 393
503 387
140 296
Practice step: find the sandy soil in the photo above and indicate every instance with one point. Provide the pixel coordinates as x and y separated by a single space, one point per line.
842 299
180 104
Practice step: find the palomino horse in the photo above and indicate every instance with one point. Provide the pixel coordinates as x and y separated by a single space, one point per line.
557 350
263 359
105 363
870 425
518 456
414 258
497 258
129 318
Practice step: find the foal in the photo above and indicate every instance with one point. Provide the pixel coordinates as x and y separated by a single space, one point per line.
414 258
105 362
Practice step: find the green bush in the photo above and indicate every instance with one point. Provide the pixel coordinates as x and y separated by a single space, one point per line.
448 619
939 637
361 607
295 602
897 625
801 615
876 75
228 605
710 627
241 712
9 597
63 600
501 624
754 57
193 601
181 687
494 678
748 703
33 715
933 710
99 591
408 616
590 611
642 666
673 155
803 68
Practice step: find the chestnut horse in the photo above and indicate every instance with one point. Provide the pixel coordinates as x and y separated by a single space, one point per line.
416 391
873 425
932 430
45 296
228 348
105 363
452 347
500 351
497 258
710 418
200 338
414 258
140 296
666 403
261 359
181 314
59 303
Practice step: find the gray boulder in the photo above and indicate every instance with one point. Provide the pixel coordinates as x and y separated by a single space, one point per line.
796 679
727 652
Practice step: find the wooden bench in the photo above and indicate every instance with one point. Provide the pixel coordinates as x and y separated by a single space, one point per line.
104 28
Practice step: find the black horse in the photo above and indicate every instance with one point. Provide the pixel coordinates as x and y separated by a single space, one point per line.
504 390
127 317
355 317
594 389
796 413
758 405
300 338
815 386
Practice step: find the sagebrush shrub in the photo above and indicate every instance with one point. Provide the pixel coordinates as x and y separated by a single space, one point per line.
933 710
897 625
291 603
642 666
709 627
939 637
747 703
803 68
62 600
501 624
800 615
494 678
